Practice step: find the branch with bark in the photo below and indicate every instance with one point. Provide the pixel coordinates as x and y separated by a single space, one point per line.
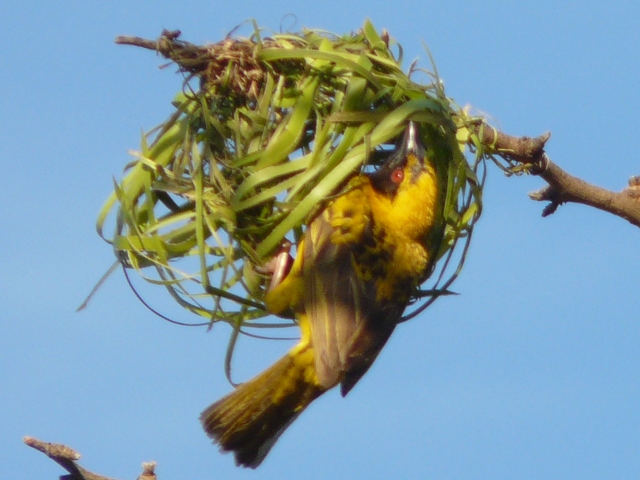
562 187
68 458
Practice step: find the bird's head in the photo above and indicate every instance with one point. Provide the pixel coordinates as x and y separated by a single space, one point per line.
404 166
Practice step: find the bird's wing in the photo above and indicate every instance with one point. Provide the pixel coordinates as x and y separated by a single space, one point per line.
348 328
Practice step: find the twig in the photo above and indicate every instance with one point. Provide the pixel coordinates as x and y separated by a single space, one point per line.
562 187
189 57
67 458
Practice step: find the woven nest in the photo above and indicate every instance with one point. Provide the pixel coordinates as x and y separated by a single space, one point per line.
264 132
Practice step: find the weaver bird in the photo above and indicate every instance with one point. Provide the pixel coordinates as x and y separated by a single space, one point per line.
356 267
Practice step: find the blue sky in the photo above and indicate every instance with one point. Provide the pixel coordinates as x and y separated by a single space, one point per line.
532 372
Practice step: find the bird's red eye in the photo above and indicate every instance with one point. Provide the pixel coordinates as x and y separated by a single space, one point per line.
397 176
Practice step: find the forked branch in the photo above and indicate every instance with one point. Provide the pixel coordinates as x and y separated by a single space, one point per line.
562 187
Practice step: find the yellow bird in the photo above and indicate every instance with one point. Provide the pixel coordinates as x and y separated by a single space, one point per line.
356 268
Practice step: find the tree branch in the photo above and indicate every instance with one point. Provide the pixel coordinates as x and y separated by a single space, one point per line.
562 187
67 458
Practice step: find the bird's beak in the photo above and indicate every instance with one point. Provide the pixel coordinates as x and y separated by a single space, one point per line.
411 144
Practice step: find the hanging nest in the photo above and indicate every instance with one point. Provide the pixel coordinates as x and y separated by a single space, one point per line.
264 132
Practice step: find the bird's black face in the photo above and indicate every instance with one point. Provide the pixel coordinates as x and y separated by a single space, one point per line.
406 163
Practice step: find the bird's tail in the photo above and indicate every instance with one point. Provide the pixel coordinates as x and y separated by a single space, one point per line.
250 419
